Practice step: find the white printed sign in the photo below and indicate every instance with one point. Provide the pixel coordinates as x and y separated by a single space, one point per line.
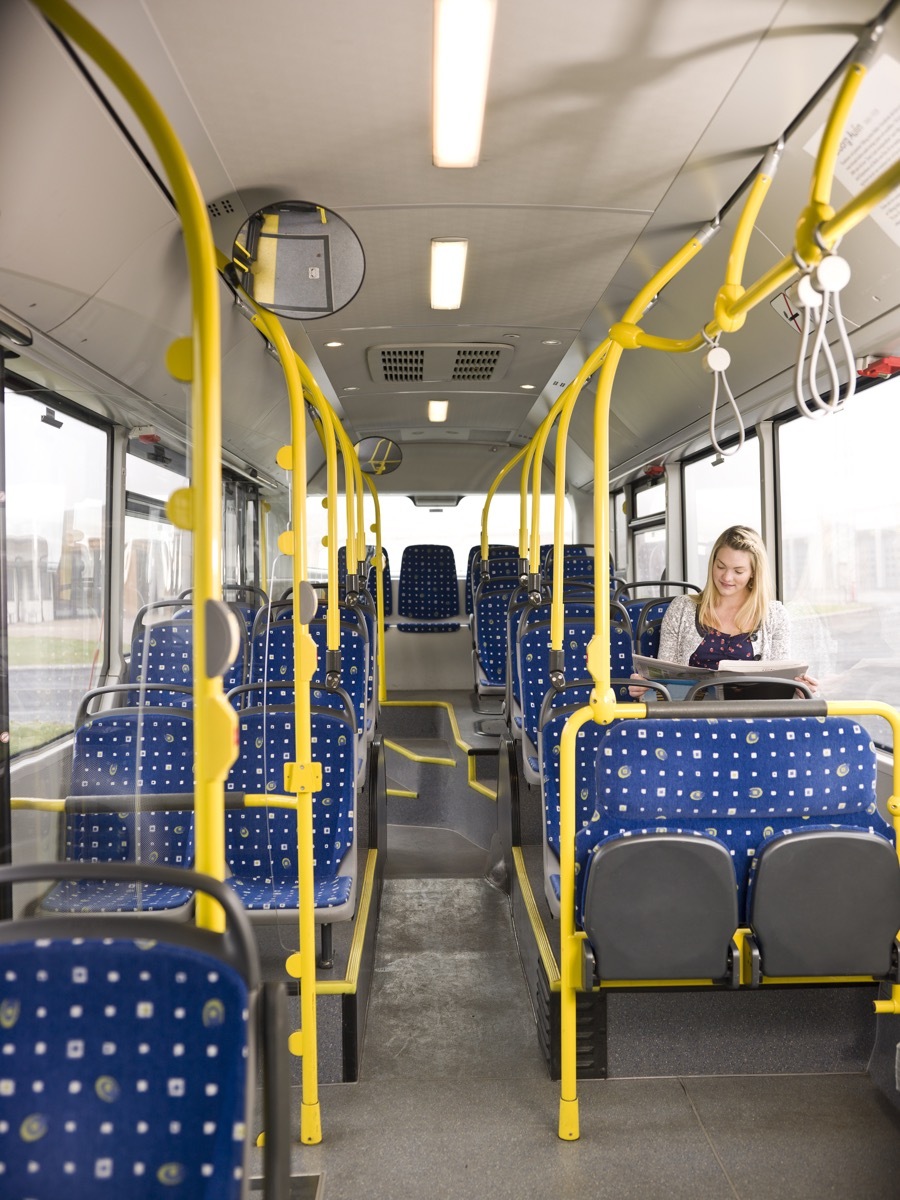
871 140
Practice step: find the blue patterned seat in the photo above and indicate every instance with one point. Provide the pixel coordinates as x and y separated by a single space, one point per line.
124 754
137 1083
489 629
272 664
533 652
375 580
163 654
429 589
502 560
261 842
736 781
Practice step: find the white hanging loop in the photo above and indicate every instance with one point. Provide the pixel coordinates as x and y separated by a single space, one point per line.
717 360
817 293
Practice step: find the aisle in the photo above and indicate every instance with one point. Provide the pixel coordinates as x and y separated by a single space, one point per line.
448 999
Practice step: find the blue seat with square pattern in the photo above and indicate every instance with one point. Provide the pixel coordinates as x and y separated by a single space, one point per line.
740 782
139 1083
429 589
124 755
261 842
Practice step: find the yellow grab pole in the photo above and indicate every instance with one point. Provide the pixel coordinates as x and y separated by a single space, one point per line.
379 593
325 430
199 507
501 475
303 777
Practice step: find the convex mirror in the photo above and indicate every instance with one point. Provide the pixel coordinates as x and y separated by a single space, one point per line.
299 260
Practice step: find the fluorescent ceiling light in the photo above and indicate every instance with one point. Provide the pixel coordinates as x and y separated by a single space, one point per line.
448 269
437 410
463 32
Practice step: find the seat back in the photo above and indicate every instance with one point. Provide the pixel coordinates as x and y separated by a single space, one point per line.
429 589
739 779
138 1082
492 597
128 753
502 560
260 842
381 580
164 654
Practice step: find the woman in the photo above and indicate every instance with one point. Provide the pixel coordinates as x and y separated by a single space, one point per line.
735 616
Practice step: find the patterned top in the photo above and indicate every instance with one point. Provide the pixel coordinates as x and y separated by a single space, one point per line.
717 646
680 635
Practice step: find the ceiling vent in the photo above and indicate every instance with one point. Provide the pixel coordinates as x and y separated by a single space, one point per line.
468 362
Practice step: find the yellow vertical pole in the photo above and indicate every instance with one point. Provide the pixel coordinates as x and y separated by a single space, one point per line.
304 777
198 508
379 593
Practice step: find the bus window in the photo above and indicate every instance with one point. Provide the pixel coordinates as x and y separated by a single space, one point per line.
157 562
56 552
840 545
718 492
458 526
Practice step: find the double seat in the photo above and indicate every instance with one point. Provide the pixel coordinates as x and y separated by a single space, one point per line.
696 829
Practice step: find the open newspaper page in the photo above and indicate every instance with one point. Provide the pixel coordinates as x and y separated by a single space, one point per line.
661 669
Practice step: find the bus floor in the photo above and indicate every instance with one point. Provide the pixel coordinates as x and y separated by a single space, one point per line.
454 1100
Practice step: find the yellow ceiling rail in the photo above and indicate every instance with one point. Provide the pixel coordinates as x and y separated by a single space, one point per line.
199 507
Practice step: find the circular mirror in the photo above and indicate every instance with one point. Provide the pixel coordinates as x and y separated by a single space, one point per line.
299 260
378 455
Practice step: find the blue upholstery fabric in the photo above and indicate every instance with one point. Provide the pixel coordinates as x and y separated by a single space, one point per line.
740 780
503 560
428 583
373 582
163 653
122 1071
272 662
492 597
589 737
261 843
120 752
649 621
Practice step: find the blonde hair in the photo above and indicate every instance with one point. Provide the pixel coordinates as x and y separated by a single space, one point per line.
760 589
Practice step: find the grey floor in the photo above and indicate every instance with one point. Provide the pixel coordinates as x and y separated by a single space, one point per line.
454 1098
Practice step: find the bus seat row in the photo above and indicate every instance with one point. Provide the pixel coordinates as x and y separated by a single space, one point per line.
121 754
696 827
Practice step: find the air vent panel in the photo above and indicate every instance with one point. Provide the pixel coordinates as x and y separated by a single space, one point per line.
443 363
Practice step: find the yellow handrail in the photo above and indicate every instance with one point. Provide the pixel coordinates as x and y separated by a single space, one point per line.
303 777
498 479
199 507
379 592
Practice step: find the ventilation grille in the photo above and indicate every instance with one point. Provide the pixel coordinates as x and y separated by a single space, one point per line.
218 207
402 366
476 362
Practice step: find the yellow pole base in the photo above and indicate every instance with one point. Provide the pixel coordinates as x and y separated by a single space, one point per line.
310 1124
891 1007
568 1120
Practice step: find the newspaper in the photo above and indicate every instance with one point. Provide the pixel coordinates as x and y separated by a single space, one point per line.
660 669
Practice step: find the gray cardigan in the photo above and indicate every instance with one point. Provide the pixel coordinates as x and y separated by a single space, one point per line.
679 636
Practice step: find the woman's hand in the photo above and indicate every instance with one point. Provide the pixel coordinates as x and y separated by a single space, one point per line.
636 692
812 684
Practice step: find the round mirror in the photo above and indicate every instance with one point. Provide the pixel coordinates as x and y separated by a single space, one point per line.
299 260
378 455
